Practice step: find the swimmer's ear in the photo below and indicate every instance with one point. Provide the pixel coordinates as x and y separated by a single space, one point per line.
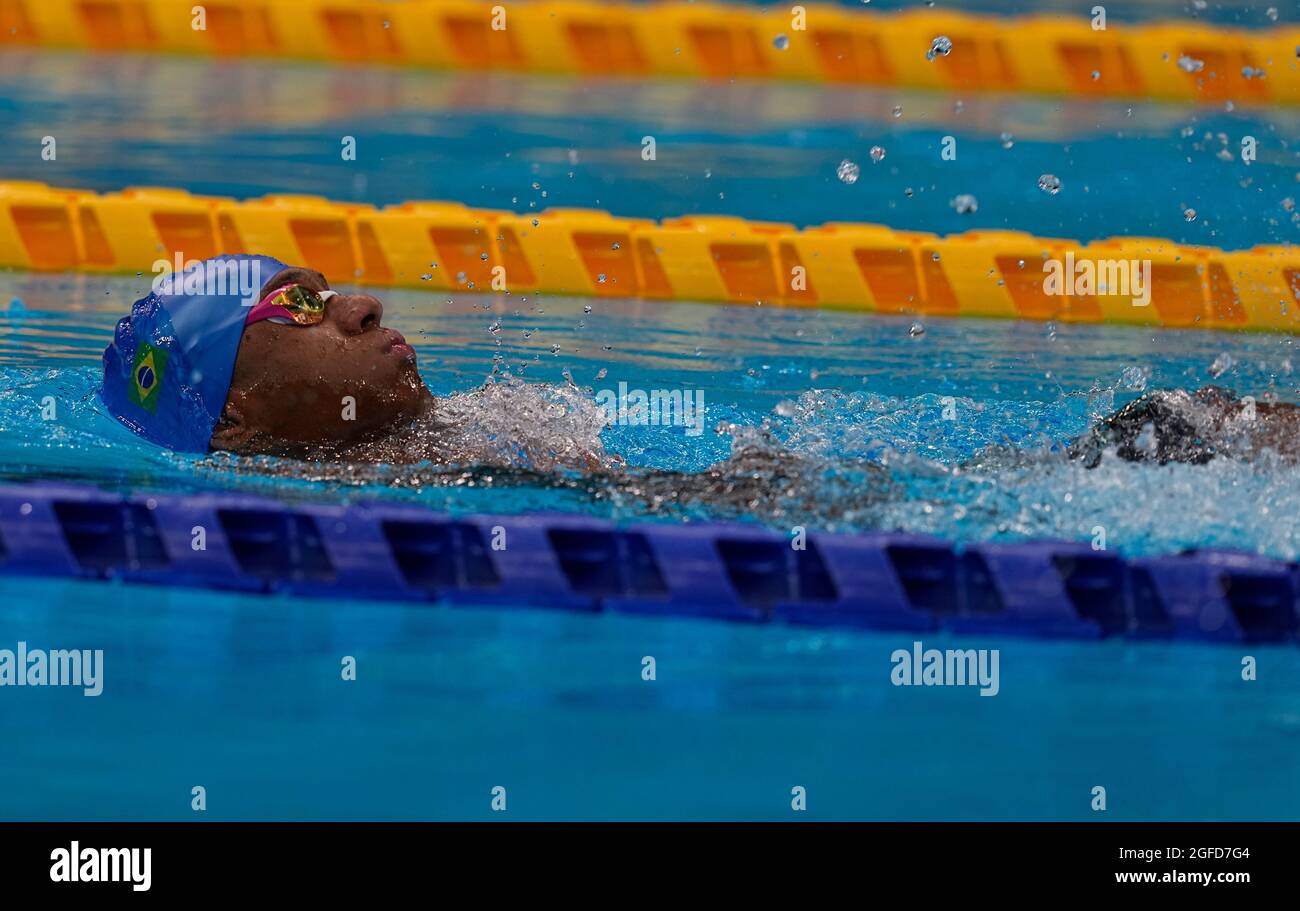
232 432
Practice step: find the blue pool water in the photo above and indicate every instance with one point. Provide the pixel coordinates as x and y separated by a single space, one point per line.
242 695
759 150
826 385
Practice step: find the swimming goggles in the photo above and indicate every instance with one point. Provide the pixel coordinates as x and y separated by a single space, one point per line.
291 304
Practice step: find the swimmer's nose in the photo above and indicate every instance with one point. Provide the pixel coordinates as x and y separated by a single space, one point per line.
355 313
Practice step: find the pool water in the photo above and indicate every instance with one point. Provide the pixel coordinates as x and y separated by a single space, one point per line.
242 694
830 387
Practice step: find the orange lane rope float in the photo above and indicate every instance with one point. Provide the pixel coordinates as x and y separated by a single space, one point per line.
936 49
449 247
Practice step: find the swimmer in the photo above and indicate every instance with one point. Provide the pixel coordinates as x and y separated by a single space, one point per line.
1192 427
306 372
311 373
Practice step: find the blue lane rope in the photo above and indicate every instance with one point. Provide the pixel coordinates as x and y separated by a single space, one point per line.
887 581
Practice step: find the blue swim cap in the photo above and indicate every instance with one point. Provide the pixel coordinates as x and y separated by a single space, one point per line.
167 372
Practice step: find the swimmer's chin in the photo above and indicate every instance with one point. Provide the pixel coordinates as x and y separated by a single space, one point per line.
361 444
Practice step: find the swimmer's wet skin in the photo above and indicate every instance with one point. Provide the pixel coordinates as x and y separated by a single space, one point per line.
1192 427
311 373
305 368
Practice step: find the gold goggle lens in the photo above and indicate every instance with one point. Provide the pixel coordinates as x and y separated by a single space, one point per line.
305 306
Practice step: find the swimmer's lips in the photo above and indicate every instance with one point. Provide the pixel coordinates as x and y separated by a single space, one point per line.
397 346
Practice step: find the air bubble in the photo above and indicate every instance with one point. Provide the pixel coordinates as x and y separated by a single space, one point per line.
848 172
1049 183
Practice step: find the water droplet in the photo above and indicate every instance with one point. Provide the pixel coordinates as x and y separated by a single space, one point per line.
898 110
1134 378
1222 364
1096 74
1189 214
426 277
965 204
1049 183
940 46
781 42
616 246
601 278
847 172
1271 12
1190 64
916 331
877 154
1007 140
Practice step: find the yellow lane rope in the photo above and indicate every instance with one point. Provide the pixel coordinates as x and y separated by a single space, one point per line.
1040 54
446 246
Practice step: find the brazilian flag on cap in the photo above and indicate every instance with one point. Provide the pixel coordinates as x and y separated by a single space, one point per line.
147 375
167 370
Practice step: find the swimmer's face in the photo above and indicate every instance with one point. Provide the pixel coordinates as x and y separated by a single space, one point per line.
294 387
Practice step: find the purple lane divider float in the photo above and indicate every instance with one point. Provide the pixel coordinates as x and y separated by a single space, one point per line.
888 581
